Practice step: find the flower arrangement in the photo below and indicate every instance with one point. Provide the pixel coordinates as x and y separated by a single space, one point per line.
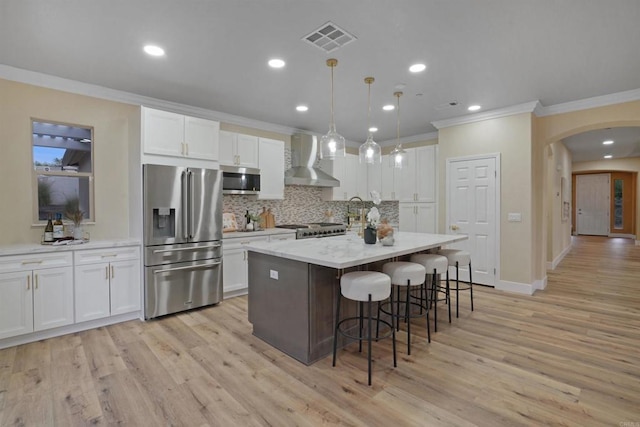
72 211
373 218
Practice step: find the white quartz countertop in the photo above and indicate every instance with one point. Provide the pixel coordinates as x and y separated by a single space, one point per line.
37 248
265 232
350 250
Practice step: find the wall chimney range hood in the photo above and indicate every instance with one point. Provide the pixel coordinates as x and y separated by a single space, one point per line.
304 152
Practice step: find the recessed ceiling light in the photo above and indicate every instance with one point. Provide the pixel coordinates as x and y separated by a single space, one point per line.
373 129
154 50
416 68
276 63
608 156
607 142
474 107
388 107
302 108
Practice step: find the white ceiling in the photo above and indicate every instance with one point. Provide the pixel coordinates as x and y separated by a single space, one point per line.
496 53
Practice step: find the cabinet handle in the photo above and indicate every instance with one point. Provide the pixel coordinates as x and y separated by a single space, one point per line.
186 148
245 243
36 281
106 272
113 274
28 282
109 255
39 261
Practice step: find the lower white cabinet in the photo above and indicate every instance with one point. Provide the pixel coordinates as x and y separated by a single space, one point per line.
418 217
235 278
107 282
35 295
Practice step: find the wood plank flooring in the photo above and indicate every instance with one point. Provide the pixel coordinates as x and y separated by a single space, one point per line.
568 355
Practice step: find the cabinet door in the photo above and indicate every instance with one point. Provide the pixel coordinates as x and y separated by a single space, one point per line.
201 137
234 270
407 217
247 151
362 181
387 171
92 291
406 184
426 174
226 148
163 132
335 168
271 154
16 306
349 181
124 286
426 217
374 178
52 298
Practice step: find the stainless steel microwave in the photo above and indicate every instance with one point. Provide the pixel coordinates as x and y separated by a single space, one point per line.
239 180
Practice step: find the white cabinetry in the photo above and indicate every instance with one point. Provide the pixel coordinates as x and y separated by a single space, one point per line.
418 217
107 282
237 149
382 179
36 293
235 280
351 174
271 163
417 180
170 134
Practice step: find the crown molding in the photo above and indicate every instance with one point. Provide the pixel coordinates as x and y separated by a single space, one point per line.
527 107
86 89
596 101
409 139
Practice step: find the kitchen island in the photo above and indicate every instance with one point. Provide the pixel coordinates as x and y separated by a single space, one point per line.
293 285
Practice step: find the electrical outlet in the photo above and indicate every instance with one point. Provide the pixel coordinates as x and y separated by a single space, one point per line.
273 274
514 217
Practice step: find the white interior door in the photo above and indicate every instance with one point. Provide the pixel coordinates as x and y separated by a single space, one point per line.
592 204
472 210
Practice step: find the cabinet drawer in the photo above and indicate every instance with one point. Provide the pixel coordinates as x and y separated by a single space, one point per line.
279 237
35 262
92 256
240 242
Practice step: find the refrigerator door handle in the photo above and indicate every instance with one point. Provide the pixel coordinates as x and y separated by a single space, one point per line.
191 267
192 209
195 248
185 204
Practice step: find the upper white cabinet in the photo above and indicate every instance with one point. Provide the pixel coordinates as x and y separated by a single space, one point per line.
416 182
170 134
237 149
271 163
351 174
418 217
381 178
36 293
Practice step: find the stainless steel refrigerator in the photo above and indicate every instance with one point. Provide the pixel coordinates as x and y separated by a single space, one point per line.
182 238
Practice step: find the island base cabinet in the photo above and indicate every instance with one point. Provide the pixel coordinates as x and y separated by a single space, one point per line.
295 312
35 300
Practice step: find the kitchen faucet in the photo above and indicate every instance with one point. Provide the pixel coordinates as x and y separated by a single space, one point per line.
361 215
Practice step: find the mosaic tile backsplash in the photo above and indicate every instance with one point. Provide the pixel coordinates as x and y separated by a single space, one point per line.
302 204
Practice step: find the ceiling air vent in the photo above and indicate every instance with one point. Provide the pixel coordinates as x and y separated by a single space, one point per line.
329 37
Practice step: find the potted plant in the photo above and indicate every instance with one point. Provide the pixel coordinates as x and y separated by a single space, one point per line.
73 213
373 217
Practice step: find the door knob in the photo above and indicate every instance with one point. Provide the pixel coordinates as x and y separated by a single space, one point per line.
455 227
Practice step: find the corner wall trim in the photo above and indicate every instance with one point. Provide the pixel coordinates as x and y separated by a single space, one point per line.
553 264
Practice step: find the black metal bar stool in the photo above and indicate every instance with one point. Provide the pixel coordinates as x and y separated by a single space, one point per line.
363 286
456 258
434 266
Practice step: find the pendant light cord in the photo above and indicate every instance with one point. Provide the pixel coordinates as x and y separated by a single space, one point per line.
332 124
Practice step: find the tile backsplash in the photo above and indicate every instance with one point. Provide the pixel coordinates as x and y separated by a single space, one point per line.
301 204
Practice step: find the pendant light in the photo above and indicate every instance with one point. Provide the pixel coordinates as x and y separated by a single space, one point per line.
331 144
398 157
370 152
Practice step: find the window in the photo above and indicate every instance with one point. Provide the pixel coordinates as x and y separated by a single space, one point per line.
617 204
63 169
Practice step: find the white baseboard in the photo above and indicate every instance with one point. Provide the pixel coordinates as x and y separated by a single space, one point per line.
235 293
70 329
626 236
515 287
540 284
553 264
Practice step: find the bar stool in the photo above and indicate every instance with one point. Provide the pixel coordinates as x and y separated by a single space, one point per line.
405 275
363 286
457 258
434 265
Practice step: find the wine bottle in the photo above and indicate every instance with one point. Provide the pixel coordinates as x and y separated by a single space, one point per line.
58 227
48 231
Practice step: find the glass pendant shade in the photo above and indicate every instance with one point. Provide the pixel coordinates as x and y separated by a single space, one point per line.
370 152
332 144
398 157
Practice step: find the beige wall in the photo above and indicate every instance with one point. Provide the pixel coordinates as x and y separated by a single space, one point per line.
512 138
558 230
19 103
255 132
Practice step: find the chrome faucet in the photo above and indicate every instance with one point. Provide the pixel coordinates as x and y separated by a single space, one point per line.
361 215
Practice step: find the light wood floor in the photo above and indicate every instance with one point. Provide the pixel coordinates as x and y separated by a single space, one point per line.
568 355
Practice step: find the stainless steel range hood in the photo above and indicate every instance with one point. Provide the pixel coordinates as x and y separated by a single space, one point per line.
304 152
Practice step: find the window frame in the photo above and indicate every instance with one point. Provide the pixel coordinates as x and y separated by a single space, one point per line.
35 173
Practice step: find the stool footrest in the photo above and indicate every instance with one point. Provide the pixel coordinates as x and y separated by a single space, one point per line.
362 338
